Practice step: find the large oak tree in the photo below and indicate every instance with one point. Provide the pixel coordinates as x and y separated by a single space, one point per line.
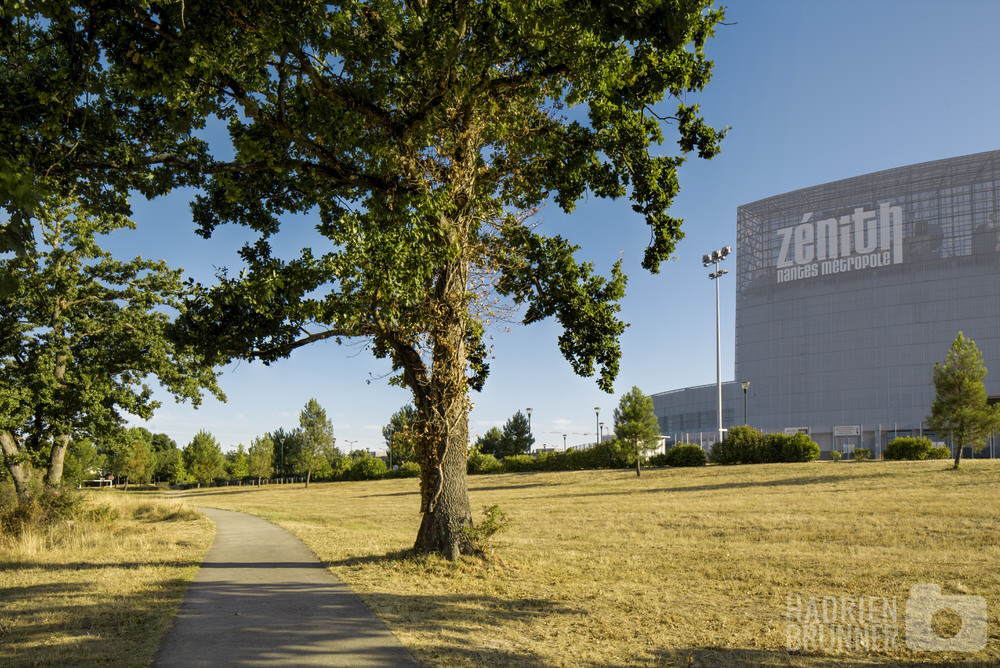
419 132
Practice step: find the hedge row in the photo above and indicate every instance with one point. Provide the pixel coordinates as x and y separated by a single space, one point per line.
746 445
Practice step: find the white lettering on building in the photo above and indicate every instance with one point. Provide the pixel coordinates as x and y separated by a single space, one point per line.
860 240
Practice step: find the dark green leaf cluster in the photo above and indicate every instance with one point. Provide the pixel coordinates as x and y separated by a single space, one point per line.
746 445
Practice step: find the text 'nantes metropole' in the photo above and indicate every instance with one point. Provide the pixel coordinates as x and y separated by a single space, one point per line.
859 240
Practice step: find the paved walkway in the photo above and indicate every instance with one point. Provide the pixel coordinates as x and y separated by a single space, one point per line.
262 598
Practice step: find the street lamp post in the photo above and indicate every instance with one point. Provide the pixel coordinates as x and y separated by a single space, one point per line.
715 258
564 443
528 411
597 417
746 386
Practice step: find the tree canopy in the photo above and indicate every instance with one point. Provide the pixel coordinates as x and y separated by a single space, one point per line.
81 336
419 133
318 446
960 409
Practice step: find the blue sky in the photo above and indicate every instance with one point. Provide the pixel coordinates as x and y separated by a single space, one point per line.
813 91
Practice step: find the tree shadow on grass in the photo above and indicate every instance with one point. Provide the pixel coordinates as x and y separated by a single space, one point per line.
800 481
69 625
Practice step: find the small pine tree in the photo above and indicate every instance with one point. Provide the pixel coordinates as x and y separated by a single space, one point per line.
636 424
960 407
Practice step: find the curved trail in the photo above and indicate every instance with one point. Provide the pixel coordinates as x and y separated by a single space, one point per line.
262 598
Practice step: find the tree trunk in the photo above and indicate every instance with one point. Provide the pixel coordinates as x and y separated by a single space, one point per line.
54 474
308 475
20 471
638 473
443 414
958 455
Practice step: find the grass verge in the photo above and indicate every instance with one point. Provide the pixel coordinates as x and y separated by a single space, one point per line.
99 589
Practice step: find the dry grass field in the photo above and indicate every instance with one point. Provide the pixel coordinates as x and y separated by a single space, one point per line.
681 567
99 590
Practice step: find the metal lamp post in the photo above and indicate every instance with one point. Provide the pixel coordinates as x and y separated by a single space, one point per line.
528 411
715 258
597 418
746 386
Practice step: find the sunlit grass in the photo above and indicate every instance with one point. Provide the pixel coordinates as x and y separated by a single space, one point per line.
682 566
100 589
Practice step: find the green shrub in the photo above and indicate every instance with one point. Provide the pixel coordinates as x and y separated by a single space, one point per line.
362 468
909 447
835 455
659 459
738 447
861 454
494 522
685 454
798 448
746 445
940 452
519 463
479 462
404 470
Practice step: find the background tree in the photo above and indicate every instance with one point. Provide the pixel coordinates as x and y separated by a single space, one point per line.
517 438
400 436
318 444
636 425
960 409
287 445
491 443
83 461
203 458
167 454
81 334
418 131
261 458
132 458
237 464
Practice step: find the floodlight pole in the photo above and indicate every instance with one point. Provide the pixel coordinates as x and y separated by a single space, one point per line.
715 258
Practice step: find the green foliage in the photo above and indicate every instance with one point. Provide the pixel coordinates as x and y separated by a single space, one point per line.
317 452
491 443
400 439
685 454
362 467
746 445
517 438
83 462
909 447
81 334
132 458
404 470
960 408
237 464
203 458
835 455
636 425
939 452
519 463
494 521
861 454
261 458
480 462
287 445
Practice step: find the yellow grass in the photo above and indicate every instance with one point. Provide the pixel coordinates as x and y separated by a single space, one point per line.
680 567
101 589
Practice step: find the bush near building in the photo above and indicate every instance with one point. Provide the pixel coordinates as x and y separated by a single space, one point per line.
746 445
915 447
685 454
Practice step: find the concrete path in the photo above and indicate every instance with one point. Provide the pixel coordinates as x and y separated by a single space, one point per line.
262 598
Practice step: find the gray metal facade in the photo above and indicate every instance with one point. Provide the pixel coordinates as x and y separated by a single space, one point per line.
849 292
